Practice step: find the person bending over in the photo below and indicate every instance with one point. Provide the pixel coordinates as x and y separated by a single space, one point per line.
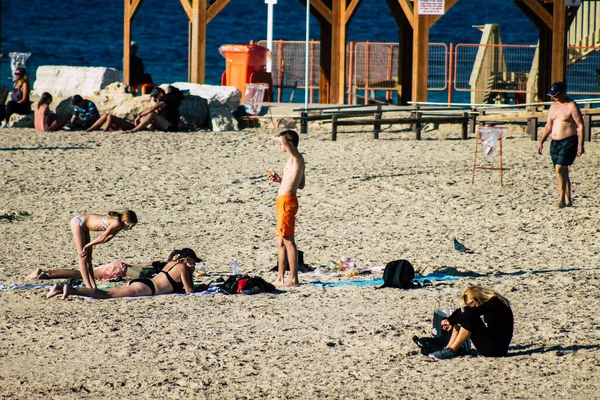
490 335
176 276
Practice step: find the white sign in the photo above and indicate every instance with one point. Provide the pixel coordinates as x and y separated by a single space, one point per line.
572 3
432 7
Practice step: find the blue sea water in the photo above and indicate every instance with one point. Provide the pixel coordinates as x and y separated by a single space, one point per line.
90 32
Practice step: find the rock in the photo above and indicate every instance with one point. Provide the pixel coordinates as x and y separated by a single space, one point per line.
21 121
66 81
222 101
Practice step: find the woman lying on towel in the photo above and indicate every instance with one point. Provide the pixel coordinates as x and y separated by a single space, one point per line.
176 276
490 335
112 270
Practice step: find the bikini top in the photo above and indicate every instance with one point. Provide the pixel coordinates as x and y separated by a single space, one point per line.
105 222
177 286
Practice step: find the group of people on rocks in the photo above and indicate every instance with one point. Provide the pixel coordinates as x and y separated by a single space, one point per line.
162 115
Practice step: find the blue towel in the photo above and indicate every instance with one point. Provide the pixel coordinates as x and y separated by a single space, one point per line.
434 276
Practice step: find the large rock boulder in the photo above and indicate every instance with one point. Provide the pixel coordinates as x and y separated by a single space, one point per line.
222 101
65 81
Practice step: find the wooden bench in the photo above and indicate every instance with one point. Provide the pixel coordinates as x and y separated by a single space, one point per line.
532 118
351 116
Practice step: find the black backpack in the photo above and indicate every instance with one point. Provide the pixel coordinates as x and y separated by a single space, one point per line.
398 274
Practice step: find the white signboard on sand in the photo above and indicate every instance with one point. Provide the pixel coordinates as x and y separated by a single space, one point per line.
431 7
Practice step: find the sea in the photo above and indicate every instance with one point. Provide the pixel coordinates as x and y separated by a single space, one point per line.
90 32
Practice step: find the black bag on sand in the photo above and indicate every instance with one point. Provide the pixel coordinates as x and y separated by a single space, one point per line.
398 274
301 266
431 345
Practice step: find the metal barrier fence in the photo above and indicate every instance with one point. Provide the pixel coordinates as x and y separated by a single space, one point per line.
583 71
373 67
491 73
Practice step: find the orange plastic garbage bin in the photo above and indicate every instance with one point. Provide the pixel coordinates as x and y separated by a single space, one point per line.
241 61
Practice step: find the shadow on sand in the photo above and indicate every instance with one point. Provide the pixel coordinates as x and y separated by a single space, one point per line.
515 351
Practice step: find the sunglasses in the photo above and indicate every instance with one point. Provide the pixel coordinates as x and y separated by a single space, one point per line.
18 74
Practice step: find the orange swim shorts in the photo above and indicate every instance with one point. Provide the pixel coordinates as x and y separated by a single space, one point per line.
286 206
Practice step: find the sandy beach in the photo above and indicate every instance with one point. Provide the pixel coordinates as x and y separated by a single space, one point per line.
373 201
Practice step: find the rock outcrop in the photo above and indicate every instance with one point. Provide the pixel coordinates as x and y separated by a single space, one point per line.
65 81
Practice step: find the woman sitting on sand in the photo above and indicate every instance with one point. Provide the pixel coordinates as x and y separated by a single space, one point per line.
176 276
112 270
490 336
45 120
110 224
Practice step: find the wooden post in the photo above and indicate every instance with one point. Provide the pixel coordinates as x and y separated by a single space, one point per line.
304 122
198 41
420 55
416 125
334 127
532 124
465 126
377 124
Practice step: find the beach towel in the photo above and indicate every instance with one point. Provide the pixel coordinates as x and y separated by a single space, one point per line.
434 276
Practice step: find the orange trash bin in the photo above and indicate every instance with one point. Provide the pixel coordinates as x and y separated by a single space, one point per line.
241 61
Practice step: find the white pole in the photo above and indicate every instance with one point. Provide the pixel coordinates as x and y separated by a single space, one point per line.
306 83
270 4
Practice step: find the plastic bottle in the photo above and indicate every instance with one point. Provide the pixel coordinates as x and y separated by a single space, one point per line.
200 269
235 267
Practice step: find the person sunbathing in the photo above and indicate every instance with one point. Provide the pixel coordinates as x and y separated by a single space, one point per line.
176 276
490 335
112 122
112 270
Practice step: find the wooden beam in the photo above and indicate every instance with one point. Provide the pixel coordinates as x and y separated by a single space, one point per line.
135 6
408 11
187 7
447 6
538 9
322 9
214 8
351 9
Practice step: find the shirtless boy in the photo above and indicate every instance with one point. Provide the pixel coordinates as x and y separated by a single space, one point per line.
286 206
565 127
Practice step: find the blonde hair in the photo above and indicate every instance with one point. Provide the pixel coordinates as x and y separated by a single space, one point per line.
126 215
480 295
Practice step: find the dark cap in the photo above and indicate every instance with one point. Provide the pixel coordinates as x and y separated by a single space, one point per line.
556 88
185 252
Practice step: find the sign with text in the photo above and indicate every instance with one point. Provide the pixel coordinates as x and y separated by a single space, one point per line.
431 7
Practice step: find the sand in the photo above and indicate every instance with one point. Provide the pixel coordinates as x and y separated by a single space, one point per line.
371 200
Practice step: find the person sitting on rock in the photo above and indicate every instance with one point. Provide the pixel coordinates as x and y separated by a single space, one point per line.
46 120
19 98
85 113
164 114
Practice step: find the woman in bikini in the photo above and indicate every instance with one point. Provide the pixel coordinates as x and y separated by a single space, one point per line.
45 120
176 276
110 225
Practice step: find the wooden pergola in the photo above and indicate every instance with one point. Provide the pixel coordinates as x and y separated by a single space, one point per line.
552 17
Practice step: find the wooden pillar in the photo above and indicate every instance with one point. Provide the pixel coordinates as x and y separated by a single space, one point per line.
559 41
405 52
198 42
131 8
325 57
338 52
420 54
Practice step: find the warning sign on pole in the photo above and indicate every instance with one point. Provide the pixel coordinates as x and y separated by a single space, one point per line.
431 7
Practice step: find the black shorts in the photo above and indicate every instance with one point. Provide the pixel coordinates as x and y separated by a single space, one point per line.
564 152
